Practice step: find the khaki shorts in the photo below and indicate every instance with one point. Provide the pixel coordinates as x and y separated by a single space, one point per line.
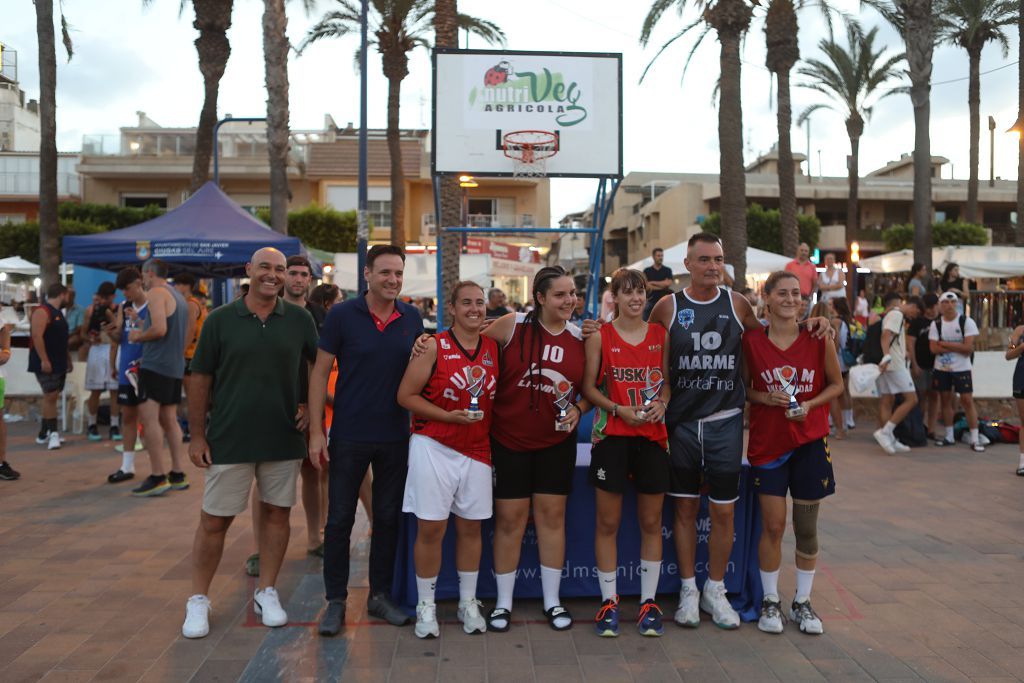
227 486
896 381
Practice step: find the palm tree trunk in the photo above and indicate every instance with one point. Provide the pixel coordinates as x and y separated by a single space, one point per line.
920 46
49 236
974 104
397 175
1019 232
275 53
213 19
730 136
787 182
853 212
446 35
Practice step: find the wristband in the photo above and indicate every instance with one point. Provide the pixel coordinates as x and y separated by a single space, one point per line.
885 359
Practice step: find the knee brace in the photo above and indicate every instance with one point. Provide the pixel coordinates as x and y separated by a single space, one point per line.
805 528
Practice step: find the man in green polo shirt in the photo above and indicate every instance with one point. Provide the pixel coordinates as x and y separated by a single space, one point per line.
247 366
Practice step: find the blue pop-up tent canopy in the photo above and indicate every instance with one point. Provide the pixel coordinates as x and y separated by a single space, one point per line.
209 235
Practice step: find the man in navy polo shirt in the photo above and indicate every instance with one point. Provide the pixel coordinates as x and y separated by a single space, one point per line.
371 336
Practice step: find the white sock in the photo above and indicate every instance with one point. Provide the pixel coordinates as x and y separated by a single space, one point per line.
128 460
949 433
650 572
425 588
467 585
974 435
711 583
690 582
1021 460
607 581
550 581
115 421
804 581
770 583
92 419
889 428
506 587
848 416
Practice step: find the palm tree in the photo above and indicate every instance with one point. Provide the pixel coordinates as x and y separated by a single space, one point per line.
730 19
49 232
783 52
446 34
399 27
1019 232
275 57
971 24
914 21
852 76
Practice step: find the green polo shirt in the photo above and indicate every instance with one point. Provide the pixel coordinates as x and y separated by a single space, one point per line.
255 367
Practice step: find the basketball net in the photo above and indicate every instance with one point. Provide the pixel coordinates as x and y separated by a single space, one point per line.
529 151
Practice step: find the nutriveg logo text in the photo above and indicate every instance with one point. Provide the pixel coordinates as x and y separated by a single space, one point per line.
507 90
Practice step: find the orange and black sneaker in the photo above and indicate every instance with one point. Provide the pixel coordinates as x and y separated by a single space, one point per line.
649 619
606 623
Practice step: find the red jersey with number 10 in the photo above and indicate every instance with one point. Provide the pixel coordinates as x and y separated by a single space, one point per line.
626 372
456 371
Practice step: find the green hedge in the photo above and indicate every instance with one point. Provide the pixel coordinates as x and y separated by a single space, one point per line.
22 239
320 227
764 228
109 216
944 234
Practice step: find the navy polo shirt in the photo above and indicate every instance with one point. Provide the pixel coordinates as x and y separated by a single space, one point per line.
371 363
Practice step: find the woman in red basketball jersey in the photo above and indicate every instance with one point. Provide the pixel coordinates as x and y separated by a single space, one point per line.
449 389
533 437
791 378
626 366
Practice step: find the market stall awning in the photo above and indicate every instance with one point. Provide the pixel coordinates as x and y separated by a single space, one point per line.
759 262
18 266
974 261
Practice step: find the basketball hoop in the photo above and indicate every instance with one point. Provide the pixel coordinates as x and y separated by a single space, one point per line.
529 151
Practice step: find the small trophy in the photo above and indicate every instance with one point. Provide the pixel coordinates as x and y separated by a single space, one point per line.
787 377
563 399
650 391
477 377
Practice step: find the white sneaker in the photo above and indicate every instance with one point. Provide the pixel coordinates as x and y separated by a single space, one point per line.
978 447
469 615
53 441
426 620
885 441
771 615
851 425
714 601
688 614
266 603
803 614
899 446
197 617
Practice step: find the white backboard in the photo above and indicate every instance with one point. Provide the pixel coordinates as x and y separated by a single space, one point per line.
480 95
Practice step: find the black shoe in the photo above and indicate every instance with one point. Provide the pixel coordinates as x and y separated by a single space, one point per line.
154 485
382 607
119 476
6 473
178 480
333 619
43 436
115 433
93 433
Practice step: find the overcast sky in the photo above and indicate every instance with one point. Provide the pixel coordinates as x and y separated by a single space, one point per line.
130 58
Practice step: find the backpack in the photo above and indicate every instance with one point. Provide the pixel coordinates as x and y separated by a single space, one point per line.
873 342
855 334
963 333
911 431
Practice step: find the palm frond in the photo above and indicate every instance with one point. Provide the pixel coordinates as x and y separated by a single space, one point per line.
686 29
65 32
806 114
482 28
658 9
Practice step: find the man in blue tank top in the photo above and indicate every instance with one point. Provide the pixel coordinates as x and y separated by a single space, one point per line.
160 373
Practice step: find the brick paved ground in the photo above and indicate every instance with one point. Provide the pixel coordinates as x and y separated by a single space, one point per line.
920 578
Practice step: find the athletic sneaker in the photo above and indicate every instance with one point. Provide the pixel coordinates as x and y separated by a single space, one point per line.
688 613
115 433
648 622
803 614
197 617
53 441
977 447
899 446
885 440
177 480
426 620
714 601
266 604
7 473
606 623
850 425
943 442
771 615
153 485
119 476
42 437
469 615
94 433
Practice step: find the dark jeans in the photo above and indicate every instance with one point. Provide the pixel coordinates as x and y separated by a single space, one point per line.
349 460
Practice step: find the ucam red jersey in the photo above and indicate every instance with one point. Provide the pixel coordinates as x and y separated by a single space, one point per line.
802 366
456 372
525 412
627 373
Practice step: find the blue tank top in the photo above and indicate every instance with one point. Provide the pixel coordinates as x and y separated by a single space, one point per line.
166 355
130 353
705 352
55 341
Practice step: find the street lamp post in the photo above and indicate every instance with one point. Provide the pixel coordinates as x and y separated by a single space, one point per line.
992 152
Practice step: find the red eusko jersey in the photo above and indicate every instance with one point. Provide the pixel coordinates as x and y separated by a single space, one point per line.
772 369
524 412
455 371
626 371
